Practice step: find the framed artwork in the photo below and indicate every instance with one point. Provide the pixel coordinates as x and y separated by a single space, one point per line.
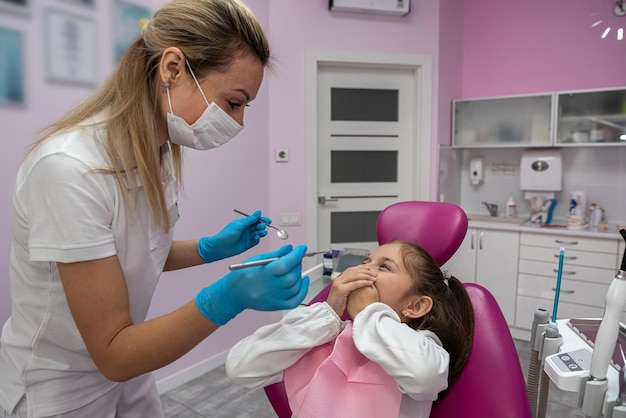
11 67
71 50
126 26
15 6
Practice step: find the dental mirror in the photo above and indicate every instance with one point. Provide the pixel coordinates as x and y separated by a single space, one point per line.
282 234
268 260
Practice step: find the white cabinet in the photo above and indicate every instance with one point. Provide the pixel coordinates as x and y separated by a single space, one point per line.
588 269
591 117
566 118
489 257
511 121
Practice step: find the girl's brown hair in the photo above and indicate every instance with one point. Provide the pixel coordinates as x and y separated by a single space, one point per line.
210 33
451 317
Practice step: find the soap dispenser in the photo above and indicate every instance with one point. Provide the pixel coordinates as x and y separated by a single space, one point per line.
477 167
511 207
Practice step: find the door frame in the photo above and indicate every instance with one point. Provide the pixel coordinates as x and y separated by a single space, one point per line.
421 66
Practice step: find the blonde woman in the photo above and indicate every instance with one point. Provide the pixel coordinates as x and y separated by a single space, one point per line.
94 209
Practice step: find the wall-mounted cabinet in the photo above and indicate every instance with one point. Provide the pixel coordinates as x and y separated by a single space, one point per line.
566 118
503 122
591 117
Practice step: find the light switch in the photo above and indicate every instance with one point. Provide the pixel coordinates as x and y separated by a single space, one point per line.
287 219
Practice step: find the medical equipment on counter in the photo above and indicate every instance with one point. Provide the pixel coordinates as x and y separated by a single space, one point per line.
597 393
264 261
282 234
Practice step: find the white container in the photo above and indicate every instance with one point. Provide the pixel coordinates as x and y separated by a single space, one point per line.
541 171
578 204
477 170
511 207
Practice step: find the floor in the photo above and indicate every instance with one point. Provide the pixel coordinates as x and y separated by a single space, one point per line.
212 395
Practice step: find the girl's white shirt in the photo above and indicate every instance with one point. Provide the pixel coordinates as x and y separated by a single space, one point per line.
415 359
63 212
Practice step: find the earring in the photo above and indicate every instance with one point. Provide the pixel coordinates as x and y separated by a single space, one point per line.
166 85
405 313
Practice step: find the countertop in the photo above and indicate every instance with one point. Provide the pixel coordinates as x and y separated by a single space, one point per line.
557 226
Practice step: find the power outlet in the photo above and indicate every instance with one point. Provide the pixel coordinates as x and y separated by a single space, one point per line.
282 155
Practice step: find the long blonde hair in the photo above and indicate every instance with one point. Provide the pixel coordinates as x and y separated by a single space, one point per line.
210 33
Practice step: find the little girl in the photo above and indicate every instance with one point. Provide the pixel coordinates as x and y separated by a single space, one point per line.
409 339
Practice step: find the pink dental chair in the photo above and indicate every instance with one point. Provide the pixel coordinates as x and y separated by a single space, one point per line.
492 384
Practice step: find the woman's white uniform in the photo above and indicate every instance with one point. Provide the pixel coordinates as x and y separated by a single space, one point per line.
65 212
415 359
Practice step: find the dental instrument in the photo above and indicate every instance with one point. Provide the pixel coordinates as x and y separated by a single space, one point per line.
558 284
282 234
264 261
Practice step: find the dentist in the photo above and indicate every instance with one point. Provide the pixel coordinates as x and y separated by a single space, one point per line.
94 209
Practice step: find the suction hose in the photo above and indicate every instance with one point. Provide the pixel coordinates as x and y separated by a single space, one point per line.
540 321
551 343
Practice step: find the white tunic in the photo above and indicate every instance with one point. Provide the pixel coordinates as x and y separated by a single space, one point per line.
415 359
64 213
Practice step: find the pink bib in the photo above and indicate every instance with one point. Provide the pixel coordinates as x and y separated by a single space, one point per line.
337 381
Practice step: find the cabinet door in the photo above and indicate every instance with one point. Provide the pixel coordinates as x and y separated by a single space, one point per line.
595 117
496 268
503 121
462 264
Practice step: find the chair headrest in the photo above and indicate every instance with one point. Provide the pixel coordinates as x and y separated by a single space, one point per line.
437 227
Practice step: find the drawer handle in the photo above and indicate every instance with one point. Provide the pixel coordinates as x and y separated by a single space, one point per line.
571 257
564 272
558 241
567 292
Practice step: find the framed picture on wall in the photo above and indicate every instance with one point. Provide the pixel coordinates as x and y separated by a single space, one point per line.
71 50
11 67
15 6
126 26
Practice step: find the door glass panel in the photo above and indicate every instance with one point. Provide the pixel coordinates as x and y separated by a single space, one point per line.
370 105
353 226
591 117
363 166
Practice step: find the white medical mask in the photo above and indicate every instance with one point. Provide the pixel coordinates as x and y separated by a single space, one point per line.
213 128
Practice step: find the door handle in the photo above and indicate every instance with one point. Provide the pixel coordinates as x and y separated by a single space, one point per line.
322 200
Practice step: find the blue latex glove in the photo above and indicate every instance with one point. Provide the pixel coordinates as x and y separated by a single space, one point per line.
236 237
271 287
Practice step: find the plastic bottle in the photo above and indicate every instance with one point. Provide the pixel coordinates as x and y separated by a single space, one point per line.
510 207
592 214
328 264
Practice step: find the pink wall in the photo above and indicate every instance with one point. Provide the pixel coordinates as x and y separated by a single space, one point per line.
298 26
450 68
514 47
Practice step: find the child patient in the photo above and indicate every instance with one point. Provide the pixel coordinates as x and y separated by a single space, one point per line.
408 340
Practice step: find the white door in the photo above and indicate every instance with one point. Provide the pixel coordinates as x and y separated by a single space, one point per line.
364 150
368 123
